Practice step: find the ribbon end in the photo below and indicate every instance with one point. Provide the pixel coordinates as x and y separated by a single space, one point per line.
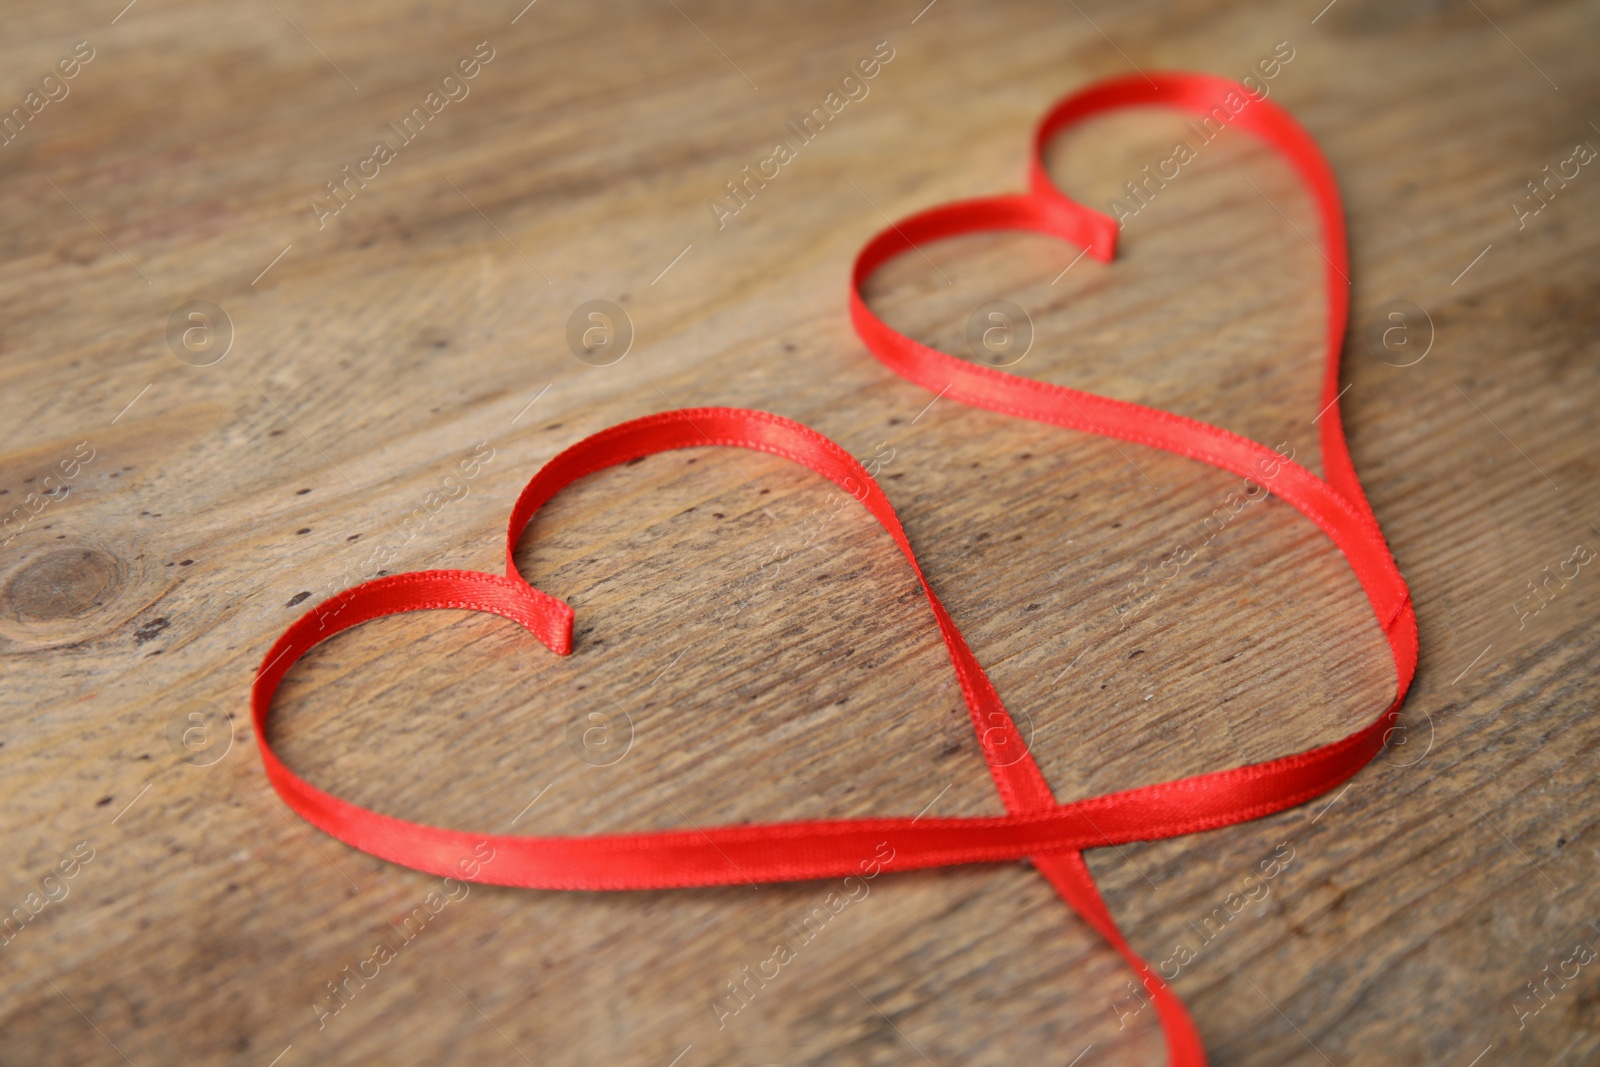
1103 244
558 629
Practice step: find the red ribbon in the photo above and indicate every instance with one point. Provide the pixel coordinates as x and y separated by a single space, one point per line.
1037 828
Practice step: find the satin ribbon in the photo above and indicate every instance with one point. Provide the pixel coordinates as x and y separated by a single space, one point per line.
1338 506
1036 827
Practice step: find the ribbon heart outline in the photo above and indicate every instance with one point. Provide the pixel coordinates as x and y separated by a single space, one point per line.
1338 506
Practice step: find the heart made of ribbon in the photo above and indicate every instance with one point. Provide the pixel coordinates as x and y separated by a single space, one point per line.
1036 827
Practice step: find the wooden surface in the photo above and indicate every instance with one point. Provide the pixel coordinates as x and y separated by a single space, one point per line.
748 679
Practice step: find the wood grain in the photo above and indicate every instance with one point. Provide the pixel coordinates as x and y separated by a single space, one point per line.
740 675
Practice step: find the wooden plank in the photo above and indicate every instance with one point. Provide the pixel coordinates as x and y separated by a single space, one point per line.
741 672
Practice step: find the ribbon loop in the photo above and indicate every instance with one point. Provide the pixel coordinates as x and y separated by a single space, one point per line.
1338 506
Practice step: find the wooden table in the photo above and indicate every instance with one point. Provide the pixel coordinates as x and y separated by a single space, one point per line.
195 481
